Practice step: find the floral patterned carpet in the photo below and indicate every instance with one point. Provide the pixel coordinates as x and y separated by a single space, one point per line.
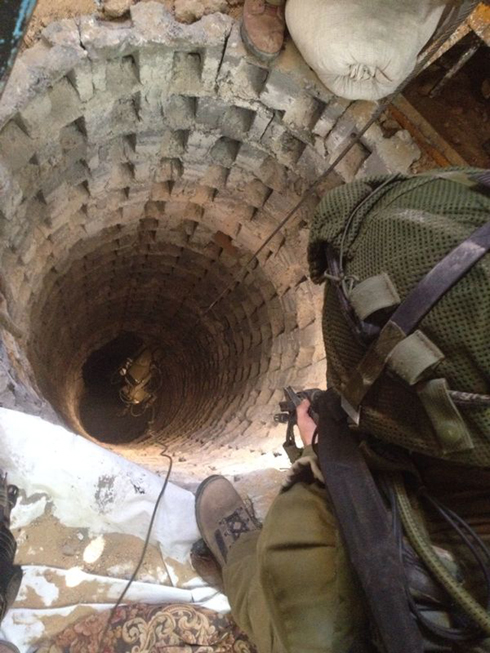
140 628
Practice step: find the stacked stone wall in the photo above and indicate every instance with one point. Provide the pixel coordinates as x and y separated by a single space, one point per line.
142 163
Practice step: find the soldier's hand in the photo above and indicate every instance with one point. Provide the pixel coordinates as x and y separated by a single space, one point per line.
306 425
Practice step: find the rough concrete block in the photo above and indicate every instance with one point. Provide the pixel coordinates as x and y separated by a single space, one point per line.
241 76
236 122
311 164
147 144
261 120
225 152
81 79
199 144
65 103
36 115
154 67
348 167
280 91
169 169
179 111
250 157
148 106
210 111
10 193
186 73
283 144
15 146
273 174
238 178
303 114
215 176
174 143
395 154
143 172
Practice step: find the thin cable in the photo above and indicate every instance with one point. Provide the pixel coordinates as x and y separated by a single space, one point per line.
311 189
142 556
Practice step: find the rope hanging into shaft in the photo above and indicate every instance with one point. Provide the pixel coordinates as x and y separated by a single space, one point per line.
457 20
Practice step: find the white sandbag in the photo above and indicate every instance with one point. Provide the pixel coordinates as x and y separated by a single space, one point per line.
362 49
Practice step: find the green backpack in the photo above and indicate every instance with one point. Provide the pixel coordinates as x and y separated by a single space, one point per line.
373 241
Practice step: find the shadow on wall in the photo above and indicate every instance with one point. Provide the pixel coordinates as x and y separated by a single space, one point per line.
102 413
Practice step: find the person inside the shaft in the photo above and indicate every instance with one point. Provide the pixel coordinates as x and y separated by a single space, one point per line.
406 266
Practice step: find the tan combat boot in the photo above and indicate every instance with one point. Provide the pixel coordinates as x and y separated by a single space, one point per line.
222 516
263 27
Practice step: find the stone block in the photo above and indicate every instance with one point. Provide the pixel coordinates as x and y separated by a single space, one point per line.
179 111
186 73
199 144
311 164
261 120
256 193
285 146
238 178
278 204
241 76
148 105
65 103
303 114
395 154
348 167
169 169
15 146
210 111
274 175
81 79
236 122
173 143
250 157
147 144
35 116
280 91
10 193
225 152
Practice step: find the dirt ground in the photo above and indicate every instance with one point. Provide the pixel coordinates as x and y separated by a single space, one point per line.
47 542
461 113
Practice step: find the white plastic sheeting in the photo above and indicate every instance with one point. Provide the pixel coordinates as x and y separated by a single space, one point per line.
362 49
87 486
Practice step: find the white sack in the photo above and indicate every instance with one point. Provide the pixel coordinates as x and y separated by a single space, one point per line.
362 49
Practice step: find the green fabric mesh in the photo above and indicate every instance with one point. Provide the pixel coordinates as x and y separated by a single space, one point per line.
404 229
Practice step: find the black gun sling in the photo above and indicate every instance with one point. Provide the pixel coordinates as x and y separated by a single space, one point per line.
365 526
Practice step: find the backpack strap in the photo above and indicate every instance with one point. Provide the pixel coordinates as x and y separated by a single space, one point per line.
419 301
366 529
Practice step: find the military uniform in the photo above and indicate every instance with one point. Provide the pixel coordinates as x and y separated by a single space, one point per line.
426 422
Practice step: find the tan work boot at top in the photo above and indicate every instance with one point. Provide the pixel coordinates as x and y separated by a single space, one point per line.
263 27
222 516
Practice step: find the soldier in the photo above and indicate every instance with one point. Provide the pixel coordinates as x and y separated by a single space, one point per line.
381 542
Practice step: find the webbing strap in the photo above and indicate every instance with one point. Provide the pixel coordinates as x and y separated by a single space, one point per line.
443 276
373 294
365 526
419 301
447 422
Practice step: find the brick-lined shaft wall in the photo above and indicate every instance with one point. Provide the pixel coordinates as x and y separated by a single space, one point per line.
141 164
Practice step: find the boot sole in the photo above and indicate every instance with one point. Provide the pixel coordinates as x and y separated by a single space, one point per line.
198 495
262 56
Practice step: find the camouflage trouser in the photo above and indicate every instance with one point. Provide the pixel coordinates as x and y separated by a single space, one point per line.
290 587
